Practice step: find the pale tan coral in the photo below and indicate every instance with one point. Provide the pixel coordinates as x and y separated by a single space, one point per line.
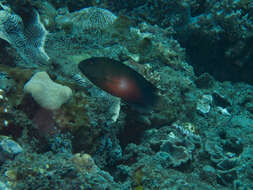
47 93
85 163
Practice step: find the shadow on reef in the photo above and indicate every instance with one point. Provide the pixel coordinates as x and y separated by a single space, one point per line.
7 60
215 61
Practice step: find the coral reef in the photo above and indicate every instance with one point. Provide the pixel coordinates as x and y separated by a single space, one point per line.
198 135
41 176
216 34
225 29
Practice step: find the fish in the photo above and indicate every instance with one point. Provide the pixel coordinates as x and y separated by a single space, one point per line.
119 80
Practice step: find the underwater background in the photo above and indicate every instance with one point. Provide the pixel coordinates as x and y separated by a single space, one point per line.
126 95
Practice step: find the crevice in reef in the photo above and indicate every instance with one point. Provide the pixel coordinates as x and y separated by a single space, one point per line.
211 58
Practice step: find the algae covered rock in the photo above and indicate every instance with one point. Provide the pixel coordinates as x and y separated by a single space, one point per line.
8 148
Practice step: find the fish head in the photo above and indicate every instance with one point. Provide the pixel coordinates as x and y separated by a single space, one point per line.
91 69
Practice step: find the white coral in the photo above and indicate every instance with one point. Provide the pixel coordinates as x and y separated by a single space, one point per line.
46 93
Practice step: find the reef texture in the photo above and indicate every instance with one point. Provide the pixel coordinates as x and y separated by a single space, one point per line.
198 55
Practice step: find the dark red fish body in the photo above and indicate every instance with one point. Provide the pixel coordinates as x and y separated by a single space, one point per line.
119 80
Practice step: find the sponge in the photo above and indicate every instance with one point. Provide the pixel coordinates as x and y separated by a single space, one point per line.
47 93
